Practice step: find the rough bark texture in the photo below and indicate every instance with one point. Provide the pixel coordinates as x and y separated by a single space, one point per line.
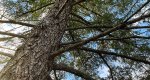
31 61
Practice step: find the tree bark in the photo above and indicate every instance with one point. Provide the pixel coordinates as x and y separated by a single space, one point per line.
32 61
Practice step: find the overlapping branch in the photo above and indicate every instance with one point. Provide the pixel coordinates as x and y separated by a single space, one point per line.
120 26
137 10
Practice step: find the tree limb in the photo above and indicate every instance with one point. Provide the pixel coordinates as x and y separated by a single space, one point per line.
114 54
5 38
137 11
11 34
62 7
138 19
66 68
110 69
31 11
6 54
15 22
106 27
142 37
79 1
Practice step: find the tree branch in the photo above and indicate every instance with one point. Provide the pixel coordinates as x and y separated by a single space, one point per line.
6 54
11 34
31 11
137 27
77 16
15 22
130 10
90 27
5 38
110 69
66 68
90 10
114 54
138 19
79 1
142 37
62 7
106 27
137 11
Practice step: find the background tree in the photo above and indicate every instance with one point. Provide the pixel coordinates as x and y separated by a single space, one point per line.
83 37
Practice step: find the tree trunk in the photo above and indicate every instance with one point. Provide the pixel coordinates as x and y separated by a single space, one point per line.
32 61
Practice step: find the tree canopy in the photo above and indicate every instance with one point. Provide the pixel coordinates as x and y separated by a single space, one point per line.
104 39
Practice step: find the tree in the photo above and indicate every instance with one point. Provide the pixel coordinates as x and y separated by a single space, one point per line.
77 36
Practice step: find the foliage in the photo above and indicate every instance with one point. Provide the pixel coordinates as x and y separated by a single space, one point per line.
88 19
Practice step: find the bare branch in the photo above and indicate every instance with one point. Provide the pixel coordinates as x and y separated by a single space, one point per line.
5 38
77 16
11 34
137 10
62 7
115 54
142 37
138 19
106 27
66 68
6 54
137 27
31 11
110 69
131 9
79 1
90 10
90 27
15 22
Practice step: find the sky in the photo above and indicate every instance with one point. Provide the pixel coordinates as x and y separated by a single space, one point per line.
102 71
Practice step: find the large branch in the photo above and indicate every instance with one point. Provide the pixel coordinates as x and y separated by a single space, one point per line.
90 27
108 39
16 22
106 27
6 54
99 52
66 68
5 38
11 34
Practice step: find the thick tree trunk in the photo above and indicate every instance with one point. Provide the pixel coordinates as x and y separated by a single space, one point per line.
32 61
